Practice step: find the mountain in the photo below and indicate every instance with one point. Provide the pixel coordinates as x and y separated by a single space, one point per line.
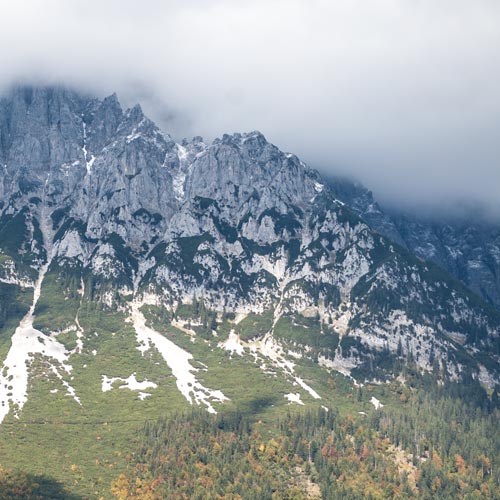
468 247
228 275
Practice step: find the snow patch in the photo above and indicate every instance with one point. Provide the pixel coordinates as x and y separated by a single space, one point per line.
269 348
128 383
294 398
88 163
178 185
307 388
177 359
318 187
233 344
70 390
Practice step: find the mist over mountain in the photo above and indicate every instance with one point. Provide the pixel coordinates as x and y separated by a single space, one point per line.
402 95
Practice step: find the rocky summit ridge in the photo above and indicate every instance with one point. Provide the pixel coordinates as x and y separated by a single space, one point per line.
99 206
466 245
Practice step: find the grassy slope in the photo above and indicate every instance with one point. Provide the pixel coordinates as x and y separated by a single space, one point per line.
85 446
54 432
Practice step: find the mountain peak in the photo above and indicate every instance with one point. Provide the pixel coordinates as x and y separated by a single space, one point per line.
135 113
242 137
105 198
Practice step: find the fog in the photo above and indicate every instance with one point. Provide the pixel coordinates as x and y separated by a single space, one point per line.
401 94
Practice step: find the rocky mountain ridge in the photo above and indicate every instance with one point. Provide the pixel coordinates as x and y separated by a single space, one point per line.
466 247
100 207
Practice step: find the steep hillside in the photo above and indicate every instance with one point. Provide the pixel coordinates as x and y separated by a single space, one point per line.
139 275
468 247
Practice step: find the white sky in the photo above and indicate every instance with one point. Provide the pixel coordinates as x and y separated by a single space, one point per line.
403 94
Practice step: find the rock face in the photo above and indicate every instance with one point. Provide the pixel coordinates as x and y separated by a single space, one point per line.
469 250
122 211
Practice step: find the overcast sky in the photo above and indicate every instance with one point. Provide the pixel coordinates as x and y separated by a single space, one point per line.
402 94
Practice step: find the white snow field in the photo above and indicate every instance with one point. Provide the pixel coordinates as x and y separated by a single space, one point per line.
178 360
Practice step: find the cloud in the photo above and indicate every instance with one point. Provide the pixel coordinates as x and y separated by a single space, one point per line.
402 94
